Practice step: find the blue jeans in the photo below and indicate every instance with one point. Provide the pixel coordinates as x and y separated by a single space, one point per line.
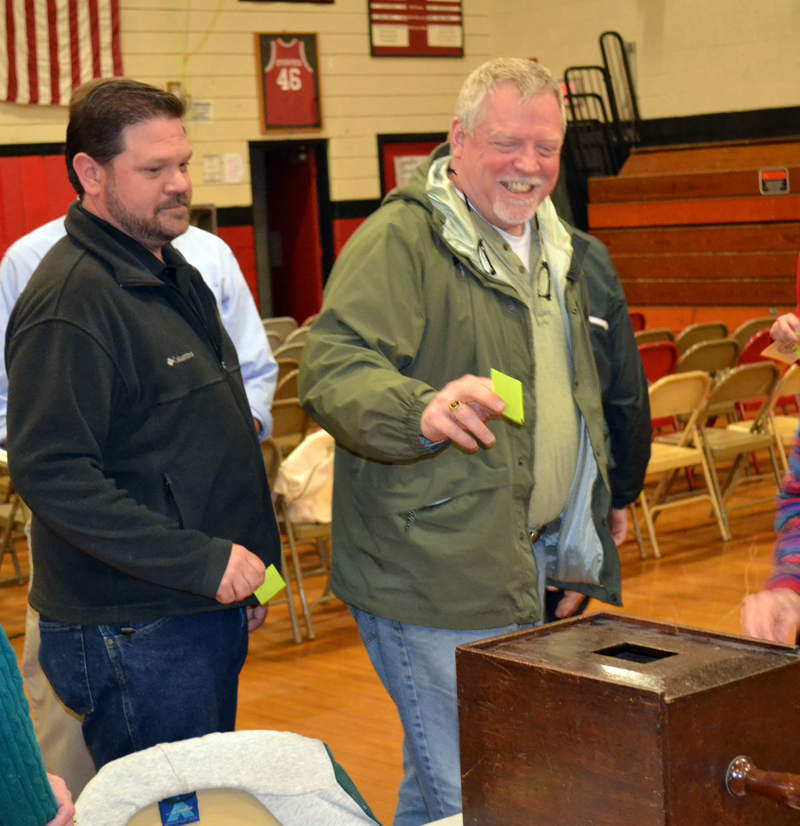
417 666
138 684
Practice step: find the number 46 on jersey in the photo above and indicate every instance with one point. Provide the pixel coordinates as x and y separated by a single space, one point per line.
290 81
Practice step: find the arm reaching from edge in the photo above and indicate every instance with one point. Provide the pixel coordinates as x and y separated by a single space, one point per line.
786 329
772 615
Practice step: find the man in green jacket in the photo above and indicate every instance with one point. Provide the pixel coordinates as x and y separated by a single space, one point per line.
449 520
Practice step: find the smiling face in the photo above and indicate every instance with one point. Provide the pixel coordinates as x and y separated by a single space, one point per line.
145 191
510 164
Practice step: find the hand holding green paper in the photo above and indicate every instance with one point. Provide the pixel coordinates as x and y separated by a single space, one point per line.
510 391
273 584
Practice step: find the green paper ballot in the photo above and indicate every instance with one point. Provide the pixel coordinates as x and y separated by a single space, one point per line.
273 583
510 391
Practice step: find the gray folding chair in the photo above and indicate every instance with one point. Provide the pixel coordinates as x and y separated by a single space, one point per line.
681 397
290 424
652 336
744 332
733 443
712 357
287 386
280 325
289 351
297 336
695 333
13 516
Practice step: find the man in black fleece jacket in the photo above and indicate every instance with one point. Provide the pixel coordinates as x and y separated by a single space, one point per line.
131 439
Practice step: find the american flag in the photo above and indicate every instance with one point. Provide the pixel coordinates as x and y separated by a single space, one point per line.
49 47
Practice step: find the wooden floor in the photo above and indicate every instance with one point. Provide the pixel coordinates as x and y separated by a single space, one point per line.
327 689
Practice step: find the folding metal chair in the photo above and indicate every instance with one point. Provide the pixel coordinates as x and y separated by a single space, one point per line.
286 387
637 321
712 357
681 396
649 336
297 336
272 459
744 332
290 423
289 351
754 346
658 359
784 425
285 366
695 333
280 325
737 441
13 516
296 532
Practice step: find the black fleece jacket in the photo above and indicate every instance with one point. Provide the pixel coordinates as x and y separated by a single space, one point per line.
129 433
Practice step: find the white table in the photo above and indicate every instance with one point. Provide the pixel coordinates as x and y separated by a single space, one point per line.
453 820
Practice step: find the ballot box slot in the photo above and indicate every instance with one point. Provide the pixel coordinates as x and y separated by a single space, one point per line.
635 653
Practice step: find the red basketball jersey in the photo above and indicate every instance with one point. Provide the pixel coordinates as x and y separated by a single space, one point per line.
289 86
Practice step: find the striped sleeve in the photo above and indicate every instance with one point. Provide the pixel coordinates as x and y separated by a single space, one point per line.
786 555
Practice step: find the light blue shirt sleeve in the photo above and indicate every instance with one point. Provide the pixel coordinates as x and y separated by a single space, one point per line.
215 261
16 269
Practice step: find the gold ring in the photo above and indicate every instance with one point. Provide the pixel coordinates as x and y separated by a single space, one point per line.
454 405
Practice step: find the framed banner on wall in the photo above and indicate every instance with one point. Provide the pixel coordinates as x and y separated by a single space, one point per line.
288 77
399 155
416 28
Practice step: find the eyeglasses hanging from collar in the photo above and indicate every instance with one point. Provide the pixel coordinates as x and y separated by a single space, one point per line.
483 256
543 285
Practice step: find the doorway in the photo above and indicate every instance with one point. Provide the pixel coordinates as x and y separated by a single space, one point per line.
292 219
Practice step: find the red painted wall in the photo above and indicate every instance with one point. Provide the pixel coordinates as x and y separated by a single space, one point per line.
343 228
34 189
242 241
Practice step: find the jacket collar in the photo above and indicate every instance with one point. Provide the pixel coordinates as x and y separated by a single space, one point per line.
129 261
580 246
458 230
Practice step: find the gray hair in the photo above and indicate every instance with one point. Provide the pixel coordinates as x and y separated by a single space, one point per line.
529 78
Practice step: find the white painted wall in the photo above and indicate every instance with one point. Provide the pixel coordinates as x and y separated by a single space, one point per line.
693 56
209 45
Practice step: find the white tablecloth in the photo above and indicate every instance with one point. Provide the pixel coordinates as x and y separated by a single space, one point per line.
454 820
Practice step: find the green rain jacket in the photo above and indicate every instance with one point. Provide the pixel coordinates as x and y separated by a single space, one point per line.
430 534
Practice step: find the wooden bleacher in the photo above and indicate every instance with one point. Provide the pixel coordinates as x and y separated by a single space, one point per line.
687 227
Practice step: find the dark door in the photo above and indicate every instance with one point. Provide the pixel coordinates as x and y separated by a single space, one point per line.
292 220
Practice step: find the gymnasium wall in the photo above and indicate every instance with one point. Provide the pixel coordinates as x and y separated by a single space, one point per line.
691 56
209 46
693 59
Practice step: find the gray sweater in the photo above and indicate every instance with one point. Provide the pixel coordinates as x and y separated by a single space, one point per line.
292 776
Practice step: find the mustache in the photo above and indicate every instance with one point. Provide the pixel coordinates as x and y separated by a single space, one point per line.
179 200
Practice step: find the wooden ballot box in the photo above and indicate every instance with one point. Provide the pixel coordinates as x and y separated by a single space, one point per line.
606 720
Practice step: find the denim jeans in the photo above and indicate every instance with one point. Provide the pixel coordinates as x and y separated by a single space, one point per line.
417 666
138 684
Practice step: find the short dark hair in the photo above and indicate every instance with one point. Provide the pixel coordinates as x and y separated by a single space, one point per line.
99 111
